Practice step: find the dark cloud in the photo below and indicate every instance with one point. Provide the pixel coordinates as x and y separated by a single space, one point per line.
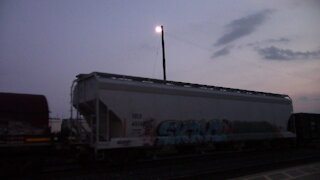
303 98
268 41
242 27
308 99
222 52
274 53
278 40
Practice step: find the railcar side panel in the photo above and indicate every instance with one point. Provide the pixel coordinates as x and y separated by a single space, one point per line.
134 114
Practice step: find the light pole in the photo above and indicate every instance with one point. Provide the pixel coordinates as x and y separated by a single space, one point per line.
158 30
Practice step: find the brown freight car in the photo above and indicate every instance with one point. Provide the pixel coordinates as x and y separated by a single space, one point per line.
23 119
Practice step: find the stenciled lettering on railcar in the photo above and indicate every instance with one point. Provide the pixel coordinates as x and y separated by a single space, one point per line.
143 127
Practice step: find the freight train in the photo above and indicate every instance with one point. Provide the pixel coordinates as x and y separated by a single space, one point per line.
126 113
24 120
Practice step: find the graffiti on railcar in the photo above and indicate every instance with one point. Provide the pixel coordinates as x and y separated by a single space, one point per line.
201 131
174 132
192 131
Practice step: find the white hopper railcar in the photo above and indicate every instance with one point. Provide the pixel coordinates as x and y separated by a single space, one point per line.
126 112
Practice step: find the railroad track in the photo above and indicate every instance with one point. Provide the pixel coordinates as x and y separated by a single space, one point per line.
254 164
225 165
214 165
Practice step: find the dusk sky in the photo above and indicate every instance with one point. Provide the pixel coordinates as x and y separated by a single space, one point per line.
270 46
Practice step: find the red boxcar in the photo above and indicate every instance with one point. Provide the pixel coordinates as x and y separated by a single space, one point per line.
23 118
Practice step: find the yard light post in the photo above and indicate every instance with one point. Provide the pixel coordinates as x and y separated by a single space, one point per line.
159 29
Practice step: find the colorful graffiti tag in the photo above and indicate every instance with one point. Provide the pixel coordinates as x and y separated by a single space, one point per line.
187 132
201 131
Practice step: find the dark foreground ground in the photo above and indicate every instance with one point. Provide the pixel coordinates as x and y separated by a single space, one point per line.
258 165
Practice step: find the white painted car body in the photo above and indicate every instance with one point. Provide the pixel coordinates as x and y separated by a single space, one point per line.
126 111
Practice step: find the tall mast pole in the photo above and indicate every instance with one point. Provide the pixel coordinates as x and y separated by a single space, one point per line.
163 54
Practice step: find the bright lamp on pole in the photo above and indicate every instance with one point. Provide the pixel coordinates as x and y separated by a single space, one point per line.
158 29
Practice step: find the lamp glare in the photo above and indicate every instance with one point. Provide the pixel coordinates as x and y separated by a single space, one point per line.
158 29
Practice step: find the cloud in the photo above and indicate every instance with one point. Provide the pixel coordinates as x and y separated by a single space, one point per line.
308 99
268 41
278 40
303 98
274 53
222 52
242 27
